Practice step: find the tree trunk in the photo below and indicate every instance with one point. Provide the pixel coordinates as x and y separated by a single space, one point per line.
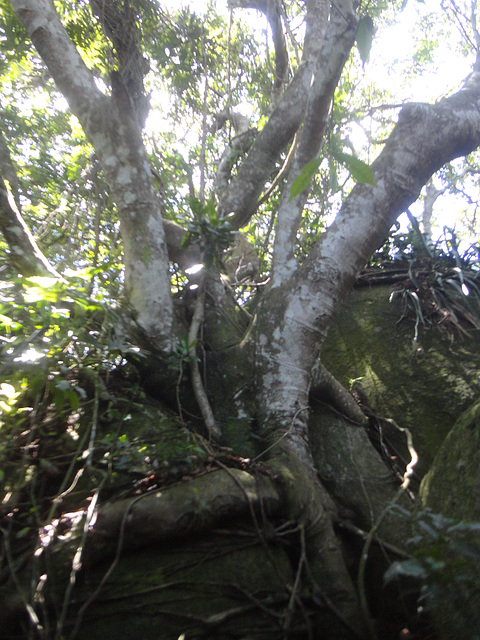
253 373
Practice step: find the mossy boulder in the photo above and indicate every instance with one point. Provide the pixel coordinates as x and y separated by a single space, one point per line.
422 384
452 486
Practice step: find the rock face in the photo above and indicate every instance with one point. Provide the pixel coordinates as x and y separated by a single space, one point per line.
193 541
423 385
432 387
452 488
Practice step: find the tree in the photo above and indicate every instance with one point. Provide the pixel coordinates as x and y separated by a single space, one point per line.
253 345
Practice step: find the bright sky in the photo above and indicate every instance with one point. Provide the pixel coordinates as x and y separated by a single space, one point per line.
392 48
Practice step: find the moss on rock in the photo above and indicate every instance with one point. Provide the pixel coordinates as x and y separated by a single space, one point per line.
423 385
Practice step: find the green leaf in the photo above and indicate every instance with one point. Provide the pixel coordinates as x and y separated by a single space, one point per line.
302 181
196 206
359 171
333 175
74 400
5 320
364 37
408 568
430 531
43 281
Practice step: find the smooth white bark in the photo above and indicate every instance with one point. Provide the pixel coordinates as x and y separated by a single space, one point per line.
292 331
245 190
331 61
111 127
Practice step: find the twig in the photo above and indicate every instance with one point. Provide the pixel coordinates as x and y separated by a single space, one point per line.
204 125
284 435
294 597
109 572
349 526
76 564
371 534
197 384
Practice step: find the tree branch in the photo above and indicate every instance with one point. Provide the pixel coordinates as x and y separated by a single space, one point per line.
310 140
425 138
25 254
300 311
7 170
273 12
119 25
244 191
197 384
112 128
325 387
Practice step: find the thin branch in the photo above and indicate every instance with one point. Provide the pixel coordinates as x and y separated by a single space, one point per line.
198 388
289 33
458 15
203 147
273 12
281 174
7 169
119 24
25 255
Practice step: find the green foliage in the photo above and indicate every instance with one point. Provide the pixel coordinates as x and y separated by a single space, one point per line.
49 331
85 32
14 39
302 181
170 450
442 288
364 37
53 340
181 355
213 233
54 343
446 561
359 171
64 199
